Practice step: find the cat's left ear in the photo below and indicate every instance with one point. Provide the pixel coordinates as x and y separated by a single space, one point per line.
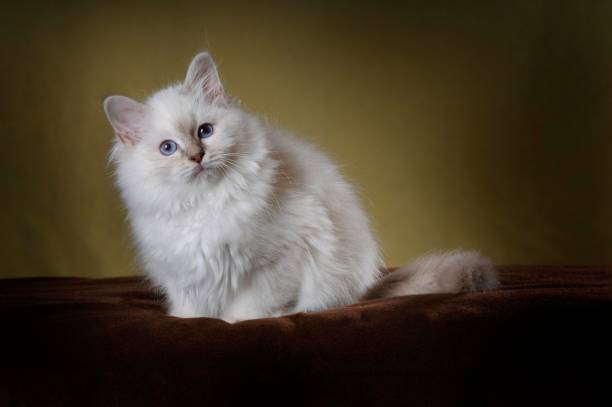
127 118
203 79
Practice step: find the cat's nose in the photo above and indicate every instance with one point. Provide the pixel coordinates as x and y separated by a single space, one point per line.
197 157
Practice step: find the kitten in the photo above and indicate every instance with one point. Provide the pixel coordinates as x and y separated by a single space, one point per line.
237 220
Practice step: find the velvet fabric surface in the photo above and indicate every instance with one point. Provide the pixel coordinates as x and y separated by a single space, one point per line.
543 337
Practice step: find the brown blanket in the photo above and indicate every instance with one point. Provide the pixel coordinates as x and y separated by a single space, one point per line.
544 337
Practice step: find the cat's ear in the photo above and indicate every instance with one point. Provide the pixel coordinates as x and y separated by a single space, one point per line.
203 79
127 118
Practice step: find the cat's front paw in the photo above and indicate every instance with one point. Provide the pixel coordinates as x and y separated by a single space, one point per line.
182 311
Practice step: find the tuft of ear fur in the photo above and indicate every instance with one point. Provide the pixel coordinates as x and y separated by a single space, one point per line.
203 79
127 118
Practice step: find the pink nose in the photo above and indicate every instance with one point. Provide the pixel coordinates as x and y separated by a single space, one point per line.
197 157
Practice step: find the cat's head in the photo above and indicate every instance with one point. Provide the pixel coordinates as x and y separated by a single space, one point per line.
185 139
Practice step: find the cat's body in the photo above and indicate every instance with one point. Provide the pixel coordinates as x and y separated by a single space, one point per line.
237 220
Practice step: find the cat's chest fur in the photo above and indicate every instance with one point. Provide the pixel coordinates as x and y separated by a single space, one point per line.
195 250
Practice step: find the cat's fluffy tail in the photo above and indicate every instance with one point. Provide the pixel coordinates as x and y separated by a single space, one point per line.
447 272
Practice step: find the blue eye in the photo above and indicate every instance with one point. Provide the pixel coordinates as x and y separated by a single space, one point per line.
205 130
167 147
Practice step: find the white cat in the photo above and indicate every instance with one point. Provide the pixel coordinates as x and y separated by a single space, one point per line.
237 220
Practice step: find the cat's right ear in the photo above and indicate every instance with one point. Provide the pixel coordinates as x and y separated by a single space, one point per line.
203 79
127 118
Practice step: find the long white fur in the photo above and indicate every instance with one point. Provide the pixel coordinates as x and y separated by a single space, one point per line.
270 227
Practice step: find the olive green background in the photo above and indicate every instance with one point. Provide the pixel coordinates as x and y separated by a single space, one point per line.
465 124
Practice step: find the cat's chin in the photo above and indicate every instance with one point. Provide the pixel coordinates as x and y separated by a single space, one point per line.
203 171
198 173
198 170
